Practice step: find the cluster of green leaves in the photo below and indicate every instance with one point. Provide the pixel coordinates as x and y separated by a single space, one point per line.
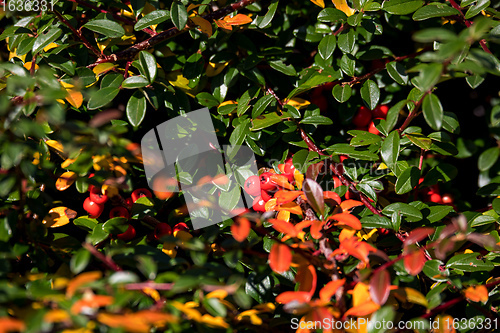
66 78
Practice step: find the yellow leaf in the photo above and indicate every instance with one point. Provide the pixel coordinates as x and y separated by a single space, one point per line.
477 294
298 103
13 54
343 6
29 64
205 26
169 249
55 316
219 294
154 294
284 215
410 295
102 68
102 45
65 180
177 80
320 3
55 145
360 294
215 69
217 322
75 98
50 46
58 216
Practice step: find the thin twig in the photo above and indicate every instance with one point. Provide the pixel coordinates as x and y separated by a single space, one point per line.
106 260
78 34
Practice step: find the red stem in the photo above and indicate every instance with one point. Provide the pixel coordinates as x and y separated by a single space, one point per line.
78 34
106 260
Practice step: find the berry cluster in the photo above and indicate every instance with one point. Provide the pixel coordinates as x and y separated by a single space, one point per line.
263 187
433 194
363 119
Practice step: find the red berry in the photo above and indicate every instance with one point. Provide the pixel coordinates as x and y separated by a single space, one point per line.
129 202
252 185
380 111
372 128
180 226
139 193
259 204
128 234
383 231
435 198
321 102
343 158
266 183
119 212
94 209
362 117
265 196
97 196
289 167
162 229
447 199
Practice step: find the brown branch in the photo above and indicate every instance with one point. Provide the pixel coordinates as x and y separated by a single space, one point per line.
413 113
130 52
106 260
116 16
77 34
468 23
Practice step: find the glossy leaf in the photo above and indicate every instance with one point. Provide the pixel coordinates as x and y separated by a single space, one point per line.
108 28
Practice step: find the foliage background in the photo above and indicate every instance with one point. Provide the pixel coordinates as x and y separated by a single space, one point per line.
82 83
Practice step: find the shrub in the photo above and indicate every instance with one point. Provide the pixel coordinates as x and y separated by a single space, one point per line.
375 124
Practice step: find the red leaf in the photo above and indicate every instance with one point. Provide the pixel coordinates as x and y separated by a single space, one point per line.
314 195
348 204
363 309
346 219
316 228
290 296
414 262
326 293
281 180
280 258
240 228
307 278
356 248
332 195
417 235
380 284
285 227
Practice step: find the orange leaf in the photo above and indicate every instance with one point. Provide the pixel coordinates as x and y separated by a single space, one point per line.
91 301
80 280
223 24
303 224
445 324
320 3
74 97
280 258
363 309
240 228
332 195
290 296
65 180
283 197
356 248
11 325
316 228
326 293
307 278
414 262
346 219
283 215
204 25
343 6
238 19
281 180
477 294
348 204
285 227
291 207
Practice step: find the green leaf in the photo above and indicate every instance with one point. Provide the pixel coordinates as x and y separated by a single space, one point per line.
214 307
390 149
433 111
474 81
468 262
266 20
265 120
383 315
482 220
370 93
432 268
133 82
317 120
363 138
342 93
327 46
477 8
116 225
207 99
437 213
179 14
261 105
397 72
411 213
238 135
402 7
428 77
434 10
79 261
280 66
492 189
434 34
420 140
155 17
375 221
107 28
346 41
348 64
228 200
85 222
331 15
45 39
98 235
488 158
450 123
102 97
148 64
407 180
136 108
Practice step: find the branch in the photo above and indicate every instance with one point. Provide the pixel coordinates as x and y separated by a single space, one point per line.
413 113
106 260
78 34
130 52
468 23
